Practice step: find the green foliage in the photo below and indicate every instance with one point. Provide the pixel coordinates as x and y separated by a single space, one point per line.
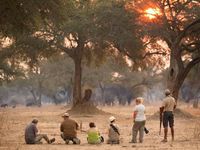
21 20
20 16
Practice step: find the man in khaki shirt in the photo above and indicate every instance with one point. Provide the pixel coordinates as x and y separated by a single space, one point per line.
167 108
69 129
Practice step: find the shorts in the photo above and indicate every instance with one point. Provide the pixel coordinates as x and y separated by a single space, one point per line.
168 118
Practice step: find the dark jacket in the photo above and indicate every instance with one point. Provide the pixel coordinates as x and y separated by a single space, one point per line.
30 133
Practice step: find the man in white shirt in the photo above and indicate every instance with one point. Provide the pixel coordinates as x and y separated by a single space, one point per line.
139 119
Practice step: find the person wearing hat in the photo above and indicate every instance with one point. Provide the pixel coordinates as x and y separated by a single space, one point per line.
139 120
167 109
113 132
32 136
69 129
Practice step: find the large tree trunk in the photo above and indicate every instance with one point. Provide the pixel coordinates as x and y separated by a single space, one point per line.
177 84
77 82
173 69
178 72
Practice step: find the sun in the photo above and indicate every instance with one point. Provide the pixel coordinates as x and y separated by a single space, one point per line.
152 13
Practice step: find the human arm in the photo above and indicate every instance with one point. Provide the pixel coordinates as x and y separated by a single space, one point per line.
35 130
135 111
61 128
77 126
175 104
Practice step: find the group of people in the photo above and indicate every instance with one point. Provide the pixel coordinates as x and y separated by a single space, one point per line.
69 127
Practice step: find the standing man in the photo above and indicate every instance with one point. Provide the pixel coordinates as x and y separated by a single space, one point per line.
69 129
167 109
139 120
32 136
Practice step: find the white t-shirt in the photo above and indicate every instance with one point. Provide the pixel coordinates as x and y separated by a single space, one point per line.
140 109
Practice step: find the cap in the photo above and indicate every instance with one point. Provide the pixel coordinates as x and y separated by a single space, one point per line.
167 92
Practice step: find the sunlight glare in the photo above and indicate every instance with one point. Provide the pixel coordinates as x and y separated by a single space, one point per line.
152 13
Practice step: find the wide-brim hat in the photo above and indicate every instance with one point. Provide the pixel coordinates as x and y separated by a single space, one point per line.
112 118
65 115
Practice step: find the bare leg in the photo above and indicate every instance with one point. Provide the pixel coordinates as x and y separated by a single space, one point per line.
165 134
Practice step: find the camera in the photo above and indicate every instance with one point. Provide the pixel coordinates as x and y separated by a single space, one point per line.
146 130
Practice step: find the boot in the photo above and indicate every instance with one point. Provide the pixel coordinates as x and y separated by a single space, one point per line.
165 135
52 140
172 132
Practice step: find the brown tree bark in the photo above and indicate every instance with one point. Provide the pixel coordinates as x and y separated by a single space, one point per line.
77 82
77 58
180 74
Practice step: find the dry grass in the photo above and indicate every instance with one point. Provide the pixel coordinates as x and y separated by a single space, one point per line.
14 121
197 131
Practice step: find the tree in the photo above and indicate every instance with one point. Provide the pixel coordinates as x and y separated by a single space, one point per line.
20 19
177 23
92 29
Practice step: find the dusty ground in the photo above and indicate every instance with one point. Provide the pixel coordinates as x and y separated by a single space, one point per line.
13 122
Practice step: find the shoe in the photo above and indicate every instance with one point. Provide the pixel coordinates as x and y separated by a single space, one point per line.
52 140
76 141
66 141
146 130
132 142
164 140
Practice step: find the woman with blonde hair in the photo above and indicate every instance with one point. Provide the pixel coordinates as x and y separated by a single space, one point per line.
139 120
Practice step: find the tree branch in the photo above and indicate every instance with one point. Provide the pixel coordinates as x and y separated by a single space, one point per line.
189 47
70 52
184 32
191 64
153 53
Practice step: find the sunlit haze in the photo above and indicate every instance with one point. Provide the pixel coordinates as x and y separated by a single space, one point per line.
152 13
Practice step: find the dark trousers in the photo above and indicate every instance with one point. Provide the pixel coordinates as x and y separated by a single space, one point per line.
168 118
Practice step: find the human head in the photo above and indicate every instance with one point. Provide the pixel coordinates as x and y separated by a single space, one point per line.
112 119
35 121
139 100
92 125
65 115
167 92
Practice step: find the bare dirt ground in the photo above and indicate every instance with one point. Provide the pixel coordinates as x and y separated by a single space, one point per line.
13 122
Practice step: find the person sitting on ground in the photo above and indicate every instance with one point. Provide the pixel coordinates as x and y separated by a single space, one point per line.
32 136
69 129
93 134
113 132
139 120
167 109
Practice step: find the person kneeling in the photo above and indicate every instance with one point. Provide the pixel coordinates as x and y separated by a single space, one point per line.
32 136
93 135
69 129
